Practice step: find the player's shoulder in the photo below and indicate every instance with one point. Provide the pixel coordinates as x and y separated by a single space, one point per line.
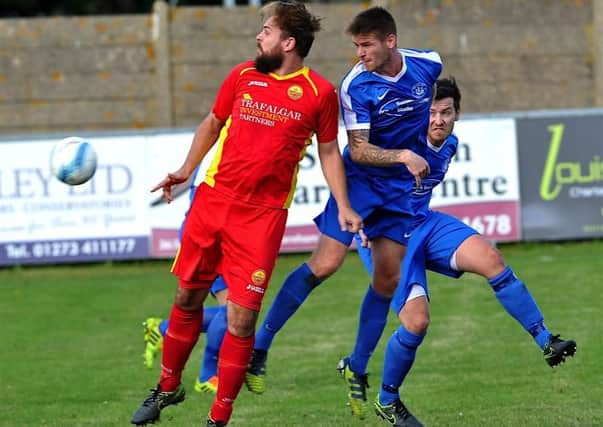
452 144
244 67
356 76
453 139
424 55
322 84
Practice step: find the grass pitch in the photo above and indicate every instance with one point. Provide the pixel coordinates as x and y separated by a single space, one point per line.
72 343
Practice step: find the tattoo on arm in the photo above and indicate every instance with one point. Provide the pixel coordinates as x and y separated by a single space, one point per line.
363 152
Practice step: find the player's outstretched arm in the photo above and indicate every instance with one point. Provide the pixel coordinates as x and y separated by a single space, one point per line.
334 172
363 152
205 137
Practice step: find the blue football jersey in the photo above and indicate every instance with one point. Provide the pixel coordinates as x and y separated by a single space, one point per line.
439 159
395 110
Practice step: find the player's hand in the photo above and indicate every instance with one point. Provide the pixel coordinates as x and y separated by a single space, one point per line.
168 182
417 166
349 220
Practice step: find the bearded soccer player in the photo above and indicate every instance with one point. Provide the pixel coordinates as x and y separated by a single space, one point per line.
264 117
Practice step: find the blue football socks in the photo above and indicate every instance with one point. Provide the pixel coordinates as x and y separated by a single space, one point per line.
208 316
293 293
372 320
163 327
399 357
517 300
215 334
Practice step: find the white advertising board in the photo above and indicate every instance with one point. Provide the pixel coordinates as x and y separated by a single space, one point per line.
44 220
115 216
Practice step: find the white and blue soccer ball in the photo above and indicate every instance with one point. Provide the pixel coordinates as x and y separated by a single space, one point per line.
73 160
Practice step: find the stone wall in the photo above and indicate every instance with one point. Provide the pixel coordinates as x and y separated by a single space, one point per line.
144 71
508 55
76 73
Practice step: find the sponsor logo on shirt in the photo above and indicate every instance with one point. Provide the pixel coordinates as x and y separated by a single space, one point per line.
266 114
396 107
257 83
295 92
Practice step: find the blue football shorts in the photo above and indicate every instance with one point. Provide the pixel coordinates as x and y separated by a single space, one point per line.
378 222
430 247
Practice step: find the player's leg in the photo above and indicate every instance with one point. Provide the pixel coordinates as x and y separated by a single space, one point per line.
476 255
410 302
195 266
233 359
207 382
400 355
185 323
386 255
155 329
353 368
247 267
326 259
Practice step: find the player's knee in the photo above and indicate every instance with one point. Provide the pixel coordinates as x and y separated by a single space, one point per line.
414 315
188 299
325 267
494 261
385 285
327 258
241 328
241 321
418 324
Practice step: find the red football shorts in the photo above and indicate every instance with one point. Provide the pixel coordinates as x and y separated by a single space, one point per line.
237 240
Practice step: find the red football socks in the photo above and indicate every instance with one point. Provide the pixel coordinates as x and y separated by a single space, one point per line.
234 357
181 336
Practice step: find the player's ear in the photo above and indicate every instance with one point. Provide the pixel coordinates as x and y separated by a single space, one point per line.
391 41
289 44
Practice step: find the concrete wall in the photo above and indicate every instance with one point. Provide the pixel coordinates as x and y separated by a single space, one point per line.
163 69
76 73
508 55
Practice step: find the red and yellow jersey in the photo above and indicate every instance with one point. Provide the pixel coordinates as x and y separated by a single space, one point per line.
270 121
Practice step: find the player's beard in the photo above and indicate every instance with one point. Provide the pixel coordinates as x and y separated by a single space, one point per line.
267 62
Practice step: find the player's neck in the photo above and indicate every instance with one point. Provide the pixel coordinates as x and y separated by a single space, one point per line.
436 143
290 65
394 65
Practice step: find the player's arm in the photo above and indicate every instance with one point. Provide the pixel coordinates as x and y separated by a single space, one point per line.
333 170
363 152
205 137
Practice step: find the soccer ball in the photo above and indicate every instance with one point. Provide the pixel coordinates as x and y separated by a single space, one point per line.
73 160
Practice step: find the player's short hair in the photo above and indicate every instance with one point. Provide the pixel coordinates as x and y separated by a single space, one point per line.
295 21
375 20
446 87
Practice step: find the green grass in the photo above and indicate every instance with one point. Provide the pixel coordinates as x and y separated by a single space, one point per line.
71 348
